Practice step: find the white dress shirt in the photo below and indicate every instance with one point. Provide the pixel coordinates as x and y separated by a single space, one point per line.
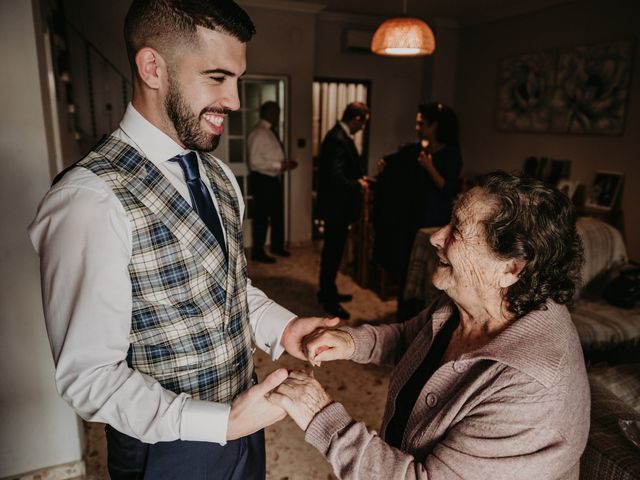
83 237
265 150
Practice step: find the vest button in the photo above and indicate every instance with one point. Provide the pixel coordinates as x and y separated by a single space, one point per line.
460 366
432 400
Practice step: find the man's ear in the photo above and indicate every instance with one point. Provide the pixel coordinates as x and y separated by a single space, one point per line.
151 67
511 272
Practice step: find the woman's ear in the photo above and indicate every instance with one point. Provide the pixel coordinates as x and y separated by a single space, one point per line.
511 272
151 67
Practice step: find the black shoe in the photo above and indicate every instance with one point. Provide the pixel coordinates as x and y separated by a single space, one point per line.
280 252
336 310
262 257
336 298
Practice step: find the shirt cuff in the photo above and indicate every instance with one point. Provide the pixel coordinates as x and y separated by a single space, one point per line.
270 329
203 421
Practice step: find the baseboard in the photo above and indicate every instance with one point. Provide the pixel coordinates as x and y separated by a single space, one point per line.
66 471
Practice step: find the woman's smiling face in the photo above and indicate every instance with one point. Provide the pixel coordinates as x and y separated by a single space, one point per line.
468 271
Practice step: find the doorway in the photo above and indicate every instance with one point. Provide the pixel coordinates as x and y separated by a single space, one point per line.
330 98
254 90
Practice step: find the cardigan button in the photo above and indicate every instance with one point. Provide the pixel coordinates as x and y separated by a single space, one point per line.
460 366
432 400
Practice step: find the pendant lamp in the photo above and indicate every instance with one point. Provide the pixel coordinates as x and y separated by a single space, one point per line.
403 37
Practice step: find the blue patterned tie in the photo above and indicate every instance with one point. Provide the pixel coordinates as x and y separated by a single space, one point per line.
200 197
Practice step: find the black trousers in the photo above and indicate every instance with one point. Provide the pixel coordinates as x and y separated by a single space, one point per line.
131 459
268 206
335 238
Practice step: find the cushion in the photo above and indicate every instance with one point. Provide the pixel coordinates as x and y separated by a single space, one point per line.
603 327
603 245
609 455
621 380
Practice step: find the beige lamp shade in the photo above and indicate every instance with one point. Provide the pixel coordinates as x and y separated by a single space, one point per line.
403 37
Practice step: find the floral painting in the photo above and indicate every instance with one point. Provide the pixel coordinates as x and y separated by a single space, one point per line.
592 89
584 92
526 86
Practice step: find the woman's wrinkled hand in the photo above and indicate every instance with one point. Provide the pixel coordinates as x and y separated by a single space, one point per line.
328 344
301 396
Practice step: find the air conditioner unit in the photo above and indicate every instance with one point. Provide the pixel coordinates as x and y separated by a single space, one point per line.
358 40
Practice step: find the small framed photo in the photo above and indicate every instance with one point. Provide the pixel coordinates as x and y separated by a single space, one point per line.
605 190
567 187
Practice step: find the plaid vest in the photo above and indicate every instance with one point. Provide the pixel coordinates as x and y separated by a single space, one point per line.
189 322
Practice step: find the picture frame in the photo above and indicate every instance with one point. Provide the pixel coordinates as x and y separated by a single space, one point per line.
525 89
604 192
581 90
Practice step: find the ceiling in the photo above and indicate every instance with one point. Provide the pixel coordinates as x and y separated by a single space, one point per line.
465 12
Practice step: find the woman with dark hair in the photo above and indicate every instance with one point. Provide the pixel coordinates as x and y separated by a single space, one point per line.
438 127
416 189
489 382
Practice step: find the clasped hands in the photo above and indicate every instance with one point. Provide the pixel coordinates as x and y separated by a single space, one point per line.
296 393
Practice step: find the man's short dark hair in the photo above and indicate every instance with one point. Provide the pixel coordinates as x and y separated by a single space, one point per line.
354 110
536 223
166 24
267 107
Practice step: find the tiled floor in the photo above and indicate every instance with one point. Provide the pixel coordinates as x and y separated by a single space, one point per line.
361 388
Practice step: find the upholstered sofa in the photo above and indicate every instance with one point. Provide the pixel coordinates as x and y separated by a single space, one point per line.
610 338
606 332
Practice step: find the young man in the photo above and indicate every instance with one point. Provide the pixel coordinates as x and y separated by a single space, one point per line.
340 185
267 162
148 307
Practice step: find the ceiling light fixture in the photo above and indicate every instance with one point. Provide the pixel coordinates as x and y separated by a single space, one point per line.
403 37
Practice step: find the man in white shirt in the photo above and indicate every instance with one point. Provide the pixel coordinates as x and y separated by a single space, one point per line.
267 162
149 311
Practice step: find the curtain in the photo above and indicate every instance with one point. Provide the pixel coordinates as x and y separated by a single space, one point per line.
329 101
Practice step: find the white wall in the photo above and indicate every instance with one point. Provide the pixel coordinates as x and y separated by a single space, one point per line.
284 45
570 25
37 428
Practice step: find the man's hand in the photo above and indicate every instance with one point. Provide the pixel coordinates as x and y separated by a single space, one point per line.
425 160
251 411
363 183
328 344
300 327
301 396
288 165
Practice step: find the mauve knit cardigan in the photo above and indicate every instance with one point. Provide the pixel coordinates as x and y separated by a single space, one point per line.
516 408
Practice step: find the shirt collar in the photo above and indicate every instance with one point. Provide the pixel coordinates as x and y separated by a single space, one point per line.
152 142
345 127
264 124
534 344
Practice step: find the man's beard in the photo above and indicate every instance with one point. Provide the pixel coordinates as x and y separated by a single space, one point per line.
186 124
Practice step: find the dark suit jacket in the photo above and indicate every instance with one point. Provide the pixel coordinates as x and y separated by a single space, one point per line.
339 193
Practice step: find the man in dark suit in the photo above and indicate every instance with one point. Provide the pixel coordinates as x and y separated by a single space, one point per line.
340 186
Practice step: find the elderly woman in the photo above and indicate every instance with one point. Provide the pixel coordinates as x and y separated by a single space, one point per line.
489 382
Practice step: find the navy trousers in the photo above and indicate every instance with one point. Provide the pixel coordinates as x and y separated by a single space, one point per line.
131 459
268 206
335 238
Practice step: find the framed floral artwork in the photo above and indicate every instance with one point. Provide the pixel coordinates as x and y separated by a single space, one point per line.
581 90
592 88
525 90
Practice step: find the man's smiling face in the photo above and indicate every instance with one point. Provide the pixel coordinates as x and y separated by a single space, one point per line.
203 88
